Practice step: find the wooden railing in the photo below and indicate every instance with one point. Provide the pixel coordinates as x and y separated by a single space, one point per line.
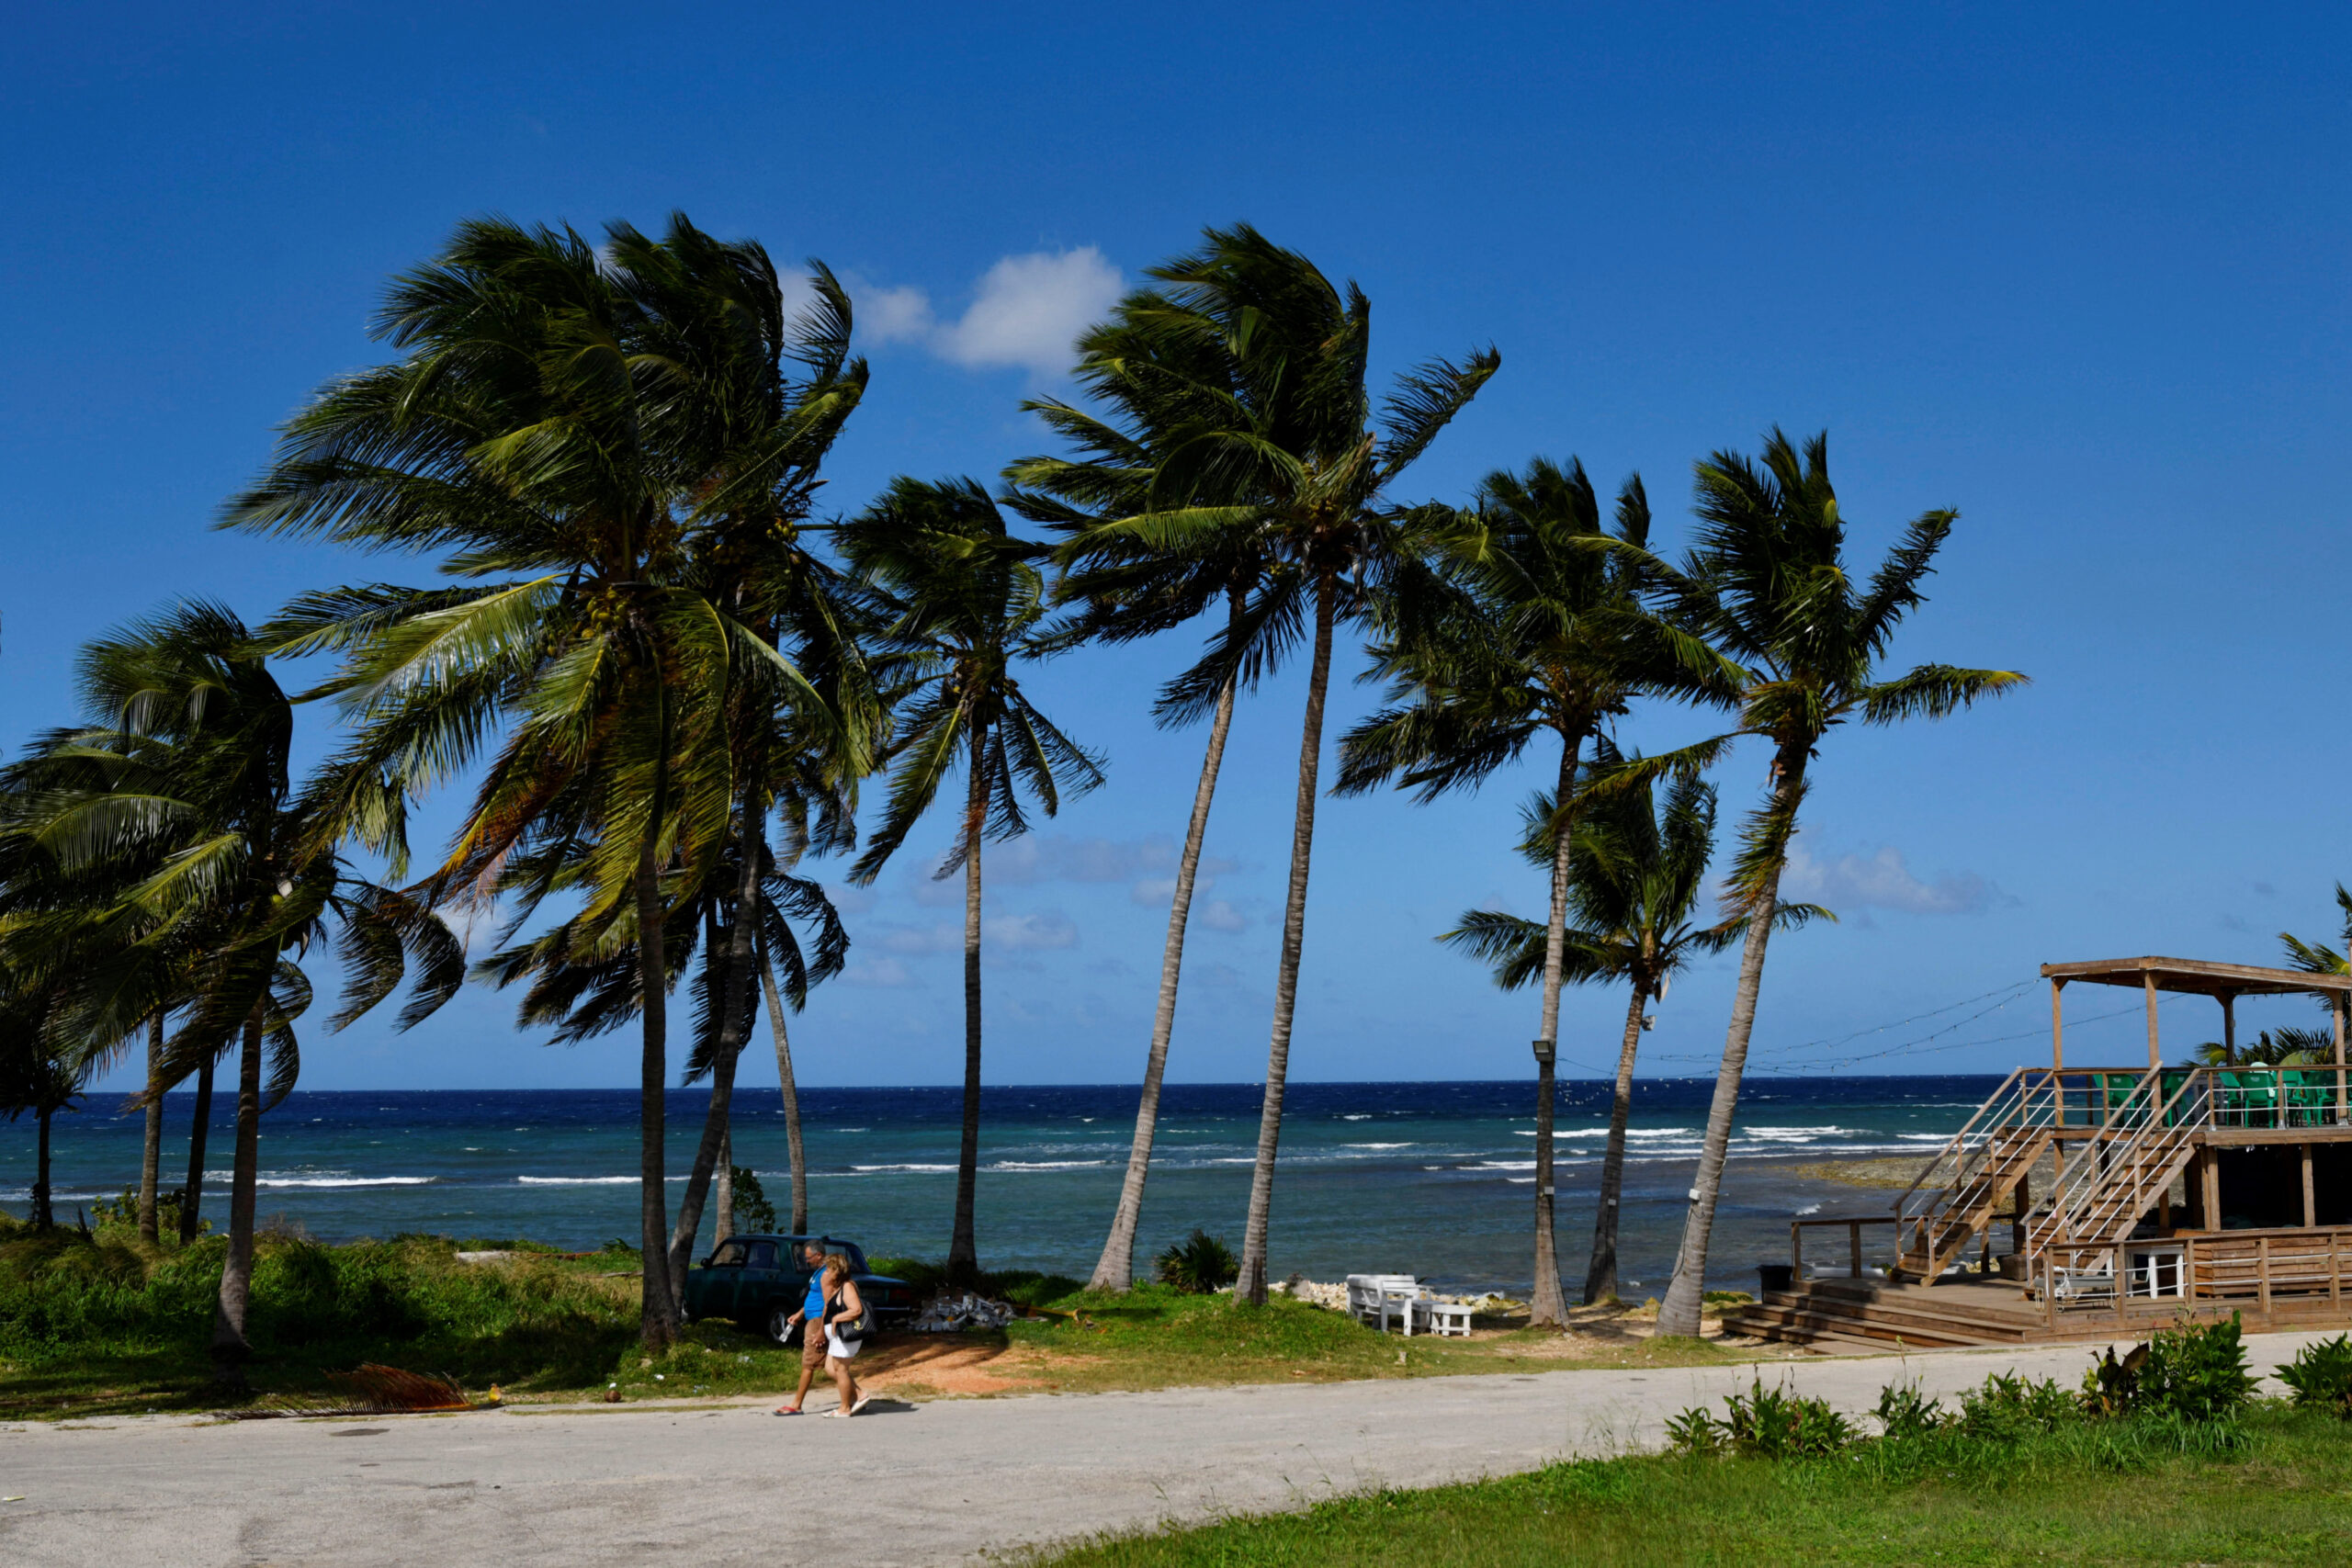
2246 1267
1853 1229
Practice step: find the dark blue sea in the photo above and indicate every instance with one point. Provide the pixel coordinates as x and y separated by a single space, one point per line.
1430 1178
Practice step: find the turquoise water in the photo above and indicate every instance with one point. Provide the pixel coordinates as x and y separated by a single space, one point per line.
1430 1179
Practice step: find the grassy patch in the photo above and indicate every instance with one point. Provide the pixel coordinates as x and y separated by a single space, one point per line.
2274 1487
99 1325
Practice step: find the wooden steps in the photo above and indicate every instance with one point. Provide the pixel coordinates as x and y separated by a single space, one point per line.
1865 1313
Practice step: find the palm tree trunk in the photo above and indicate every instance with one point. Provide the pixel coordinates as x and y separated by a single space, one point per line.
658 1309
1250 1286
1548 1307
230 1345
734 991
43 1218
192 1198
963 1255
791 1097
1678 1314
722 1189
151 1152
1600 1279
1115 1270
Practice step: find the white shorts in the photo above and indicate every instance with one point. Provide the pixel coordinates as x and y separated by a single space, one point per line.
838 1352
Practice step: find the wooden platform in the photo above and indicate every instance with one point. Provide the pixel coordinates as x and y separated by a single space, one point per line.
1850 1315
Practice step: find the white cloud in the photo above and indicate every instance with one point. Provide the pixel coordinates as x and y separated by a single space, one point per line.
894 315
1027 311
1153 890
1221 916
1878 881
1045 857
1029 934
881 972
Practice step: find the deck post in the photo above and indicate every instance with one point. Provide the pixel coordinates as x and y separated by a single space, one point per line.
2338 1011
2212 1190
2189 1269
2022 1202
2148 980
1796 1253
2058 1042
1854 1246
2310 1207
2229 1025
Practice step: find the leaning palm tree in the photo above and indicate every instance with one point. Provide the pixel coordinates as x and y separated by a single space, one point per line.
1635 874
1282 444
1767 585
242 880
961 601
1141 455
547 431
1548 636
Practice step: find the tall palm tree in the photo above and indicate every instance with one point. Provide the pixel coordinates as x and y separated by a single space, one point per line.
1637 873
1768 584
1142 455
1283 445
963 601
242 879
546 430
1548 636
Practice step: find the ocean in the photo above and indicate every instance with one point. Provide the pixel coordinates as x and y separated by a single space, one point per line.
1429 1178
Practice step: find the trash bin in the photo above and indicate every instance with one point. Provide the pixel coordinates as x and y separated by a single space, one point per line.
1775 1277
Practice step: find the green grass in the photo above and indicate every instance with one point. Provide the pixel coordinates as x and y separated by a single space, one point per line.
2275 1487
95 1325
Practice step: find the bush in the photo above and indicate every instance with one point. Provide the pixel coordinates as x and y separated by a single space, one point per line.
2191 1372
2006 1408
1199 1264
122 1214
1903 1412
2320 1374
752 1209
1764 1422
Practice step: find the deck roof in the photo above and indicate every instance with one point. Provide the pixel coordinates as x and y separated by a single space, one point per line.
2196 975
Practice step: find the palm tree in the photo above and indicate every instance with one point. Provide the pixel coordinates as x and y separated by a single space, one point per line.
1549 637
2290 1048
1635 874
549 429
36 1075
1766 583
1282 444
963 601
1144 455
242 880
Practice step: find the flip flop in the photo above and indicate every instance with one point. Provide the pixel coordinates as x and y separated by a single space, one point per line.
864 1400
788 1410
833 1413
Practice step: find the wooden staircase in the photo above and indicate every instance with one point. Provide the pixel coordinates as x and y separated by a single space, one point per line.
1877 1314
2116 1180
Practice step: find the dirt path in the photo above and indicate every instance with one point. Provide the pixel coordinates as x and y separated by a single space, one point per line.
906 1483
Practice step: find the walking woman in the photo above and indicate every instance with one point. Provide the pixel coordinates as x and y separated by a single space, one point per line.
844 1325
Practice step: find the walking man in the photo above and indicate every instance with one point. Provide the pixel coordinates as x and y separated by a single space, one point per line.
811 1318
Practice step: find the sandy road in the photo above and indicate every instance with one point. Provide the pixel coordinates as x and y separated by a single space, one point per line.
938 1483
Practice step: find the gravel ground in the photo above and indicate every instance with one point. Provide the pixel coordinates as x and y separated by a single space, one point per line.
904 1483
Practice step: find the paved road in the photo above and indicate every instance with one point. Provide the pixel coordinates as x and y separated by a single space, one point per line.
938 1483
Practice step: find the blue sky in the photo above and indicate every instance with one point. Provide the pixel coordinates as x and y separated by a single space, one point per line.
2080 274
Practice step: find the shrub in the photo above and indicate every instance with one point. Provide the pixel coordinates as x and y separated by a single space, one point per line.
1904 1413
2195 1372
122 1214
1695 1433
1772 1423
1200 1263
2320 1374
2006 1408
752 1209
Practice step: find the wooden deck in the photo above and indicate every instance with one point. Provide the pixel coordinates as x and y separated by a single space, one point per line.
2274 1280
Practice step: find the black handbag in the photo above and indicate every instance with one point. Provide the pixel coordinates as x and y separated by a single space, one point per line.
852 1330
